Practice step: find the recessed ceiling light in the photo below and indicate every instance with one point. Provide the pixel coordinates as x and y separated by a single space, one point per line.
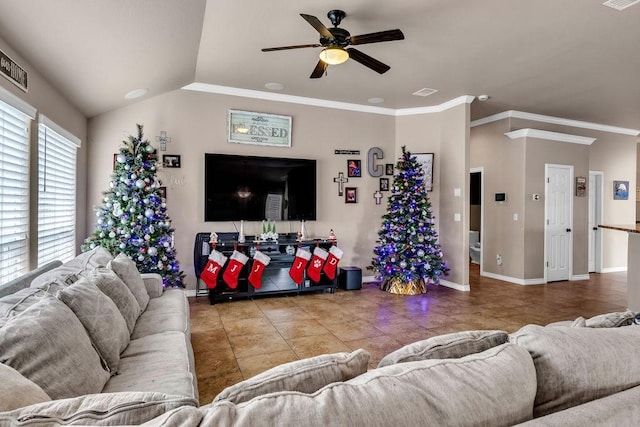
274 86
136 93
483 97
375 100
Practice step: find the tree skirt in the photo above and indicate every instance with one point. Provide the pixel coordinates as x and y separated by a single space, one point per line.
397 286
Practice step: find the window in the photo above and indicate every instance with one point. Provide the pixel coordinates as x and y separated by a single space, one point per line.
14 191
56 193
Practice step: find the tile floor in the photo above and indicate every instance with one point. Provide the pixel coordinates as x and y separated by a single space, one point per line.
236 340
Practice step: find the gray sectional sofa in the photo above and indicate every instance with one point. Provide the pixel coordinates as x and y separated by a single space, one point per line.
93 338
582 373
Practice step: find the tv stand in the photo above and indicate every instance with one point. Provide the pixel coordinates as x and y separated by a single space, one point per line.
275 279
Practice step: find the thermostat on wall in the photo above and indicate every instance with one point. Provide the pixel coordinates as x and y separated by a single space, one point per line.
501 197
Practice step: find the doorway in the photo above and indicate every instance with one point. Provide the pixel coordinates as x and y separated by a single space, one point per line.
595 218
558 246
476 215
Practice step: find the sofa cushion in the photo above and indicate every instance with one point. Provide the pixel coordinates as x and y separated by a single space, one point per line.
305 376
100 317
127 271
463 392
160 362
578 365
620 409
68 272
449 346
186 416
14 304
17 391
97 409
47 344
109 283
169 312
611 320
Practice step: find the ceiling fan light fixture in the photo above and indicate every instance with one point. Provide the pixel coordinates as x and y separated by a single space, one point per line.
334 55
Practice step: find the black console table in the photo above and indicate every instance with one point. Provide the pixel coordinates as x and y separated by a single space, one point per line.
275 279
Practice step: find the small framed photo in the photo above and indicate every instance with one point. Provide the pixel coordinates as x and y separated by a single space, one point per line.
620 190
171 161
351 195
163 192
388 169
354 168
384 184
115 160
426 161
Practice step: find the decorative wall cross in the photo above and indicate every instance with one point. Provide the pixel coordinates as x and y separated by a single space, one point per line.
378 196
163 139
341 180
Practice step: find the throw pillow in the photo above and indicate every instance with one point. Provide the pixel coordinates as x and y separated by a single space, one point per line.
305 376
130 408
611 320
47 344
17 391
100 317
109 283
578 365
449 346
127 271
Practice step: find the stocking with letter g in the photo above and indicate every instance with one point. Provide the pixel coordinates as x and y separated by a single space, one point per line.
237 260
299 264
211 270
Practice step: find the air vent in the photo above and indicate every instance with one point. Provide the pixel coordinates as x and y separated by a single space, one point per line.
620 4
425 91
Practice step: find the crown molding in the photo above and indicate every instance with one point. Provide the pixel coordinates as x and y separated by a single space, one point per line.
279 97
554 120
551 136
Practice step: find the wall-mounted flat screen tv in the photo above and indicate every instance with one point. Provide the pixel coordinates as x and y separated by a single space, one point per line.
254 188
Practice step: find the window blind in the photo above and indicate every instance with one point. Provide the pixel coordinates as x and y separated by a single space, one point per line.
56 196
14 192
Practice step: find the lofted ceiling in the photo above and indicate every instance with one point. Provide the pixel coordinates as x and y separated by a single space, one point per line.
575 59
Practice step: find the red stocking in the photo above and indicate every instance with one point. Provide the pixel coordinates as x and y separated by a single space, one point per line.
335 253
260 261
315 267
210 273
299 263
231 273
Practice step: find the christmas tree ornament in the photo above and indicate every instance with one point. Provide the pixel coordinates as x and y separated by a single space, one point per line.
296 272
335 253
236 261
214 265
260 261
317 261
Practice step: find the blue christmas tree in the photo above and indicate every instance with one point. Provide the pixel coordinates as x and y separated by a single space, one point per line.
133 216
408 254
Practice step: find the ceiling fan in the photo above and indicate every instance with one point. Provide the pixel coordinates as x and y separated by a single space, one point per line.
335 41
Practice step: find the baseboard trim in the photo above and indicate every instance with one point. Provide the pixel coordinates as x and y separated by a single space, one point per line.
613 269
515 280
369 279
580 277
190 292
456 286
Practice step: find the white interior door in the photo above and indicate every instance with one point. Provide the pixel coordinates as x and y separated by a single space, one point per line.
595 218
558 227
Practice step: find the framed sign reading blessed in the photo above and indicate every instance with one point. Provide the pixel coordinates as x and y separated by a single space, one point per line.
426 160
244 127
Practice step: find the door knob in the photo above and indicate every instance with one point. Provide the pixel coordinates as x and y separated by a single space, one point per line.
568 230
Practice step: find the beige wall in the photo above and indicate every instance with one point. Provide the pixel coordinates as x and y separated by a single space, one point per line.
196 122
48 101
517 168
446 135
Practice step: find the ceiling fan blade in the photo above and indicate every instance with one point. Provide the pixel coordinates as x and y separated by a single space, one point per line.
299 46
381 36
319 26
368 61
321 66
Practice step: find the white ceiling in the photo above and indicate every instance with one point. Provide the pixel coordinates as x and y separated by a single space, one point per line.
575 59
